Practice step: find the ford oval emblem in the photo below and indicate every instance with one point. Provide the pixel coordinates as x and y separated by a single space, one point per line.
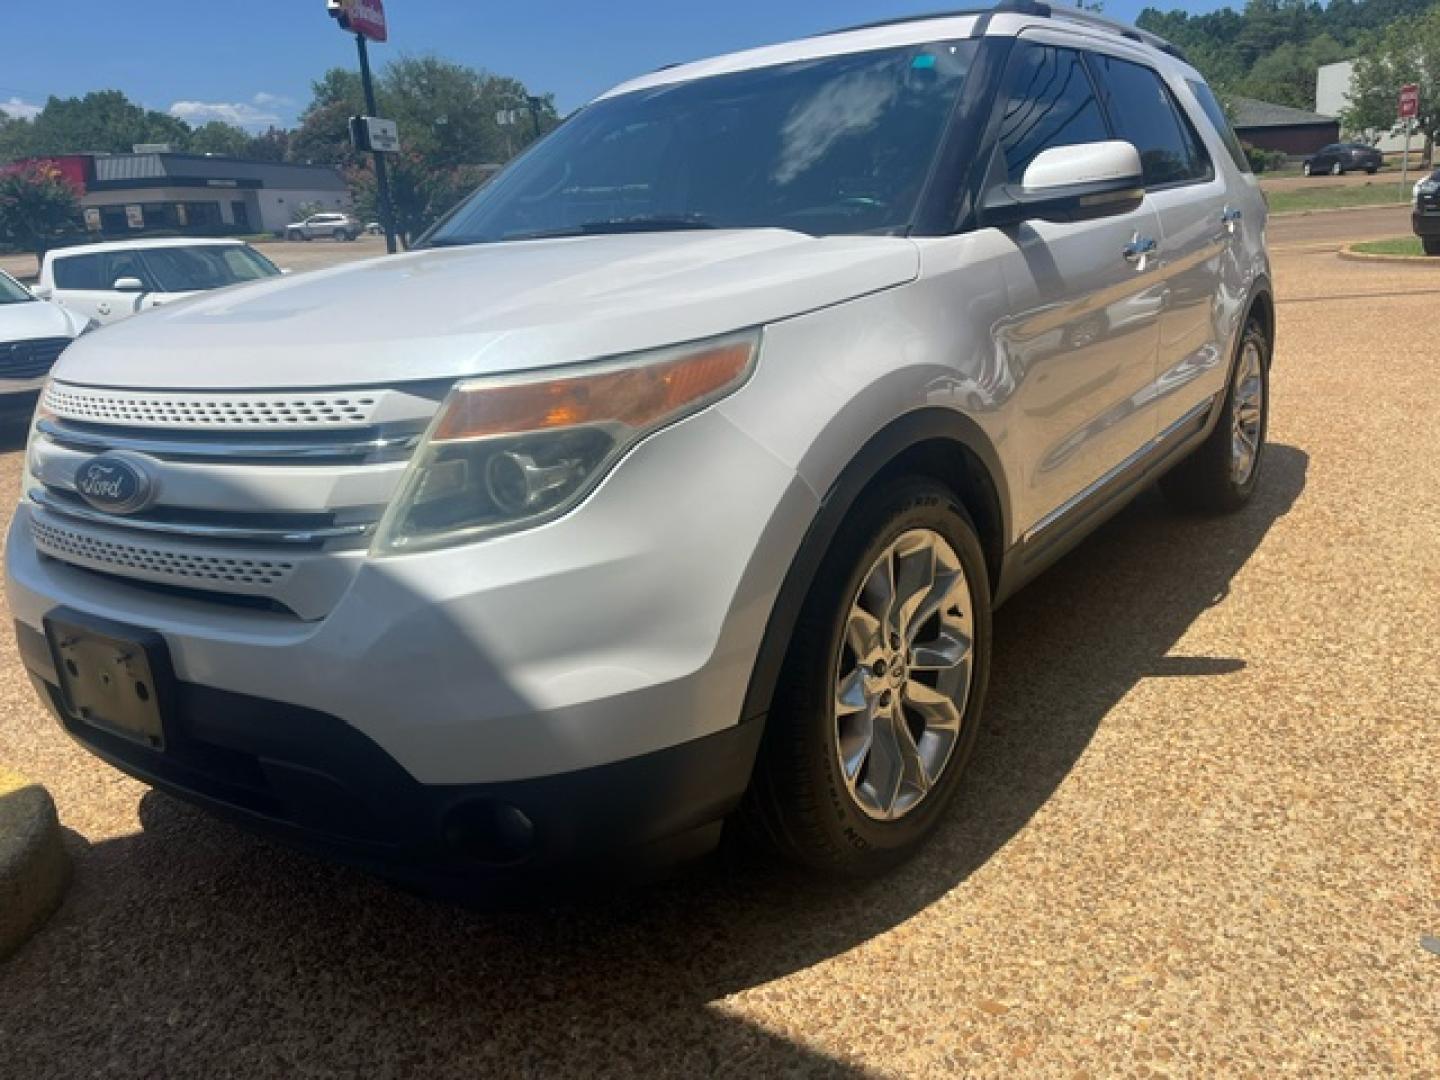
115 484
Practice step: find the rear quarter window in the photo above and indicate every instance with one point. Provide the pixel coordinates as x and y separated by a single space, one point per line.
1210 105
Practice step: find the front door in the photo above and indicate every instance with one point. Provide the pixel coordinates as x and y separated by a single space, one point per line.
1081 337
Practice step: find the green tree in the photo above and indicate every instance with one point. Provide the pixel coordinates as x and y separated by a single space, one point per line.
420 193
37 204
104 121
218 137
447 115
1408 51
272 144
323 137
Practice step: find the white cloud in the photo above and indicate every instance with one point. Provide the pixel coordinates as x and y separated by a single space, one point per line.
255 115
21 110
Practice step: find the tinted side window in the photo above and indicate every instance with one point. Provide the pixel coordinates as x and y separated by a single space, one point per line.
1048 101
120 264
1146 115
1216 115
78 272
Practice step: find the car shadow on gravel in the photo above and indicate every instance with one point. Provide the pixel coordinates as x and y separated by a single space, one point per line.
193 946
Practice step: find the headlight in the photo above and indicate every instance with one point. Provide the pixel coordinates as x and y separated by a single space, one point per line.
510 452
27 467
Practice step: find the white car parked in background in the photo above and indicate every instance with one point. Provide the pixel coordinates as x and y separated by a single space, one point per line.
106 282
337 226
33 334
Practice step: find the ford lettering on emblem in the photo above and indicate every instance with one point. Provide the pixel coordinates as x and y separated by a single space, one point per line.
116 484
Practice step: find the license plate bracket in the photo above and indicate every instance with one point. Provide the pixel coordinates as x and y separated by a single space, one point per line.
112 678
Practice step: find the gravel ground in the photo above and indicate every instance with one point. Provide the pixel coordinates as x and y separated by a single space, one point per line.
1199 836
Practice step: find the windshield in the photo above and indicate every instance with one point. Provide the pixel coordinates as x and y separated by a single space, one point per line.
11 291
190 269
841 144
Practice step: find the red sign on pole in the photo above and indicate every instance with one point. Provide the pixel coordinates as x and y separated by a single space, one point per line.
1409 102
364 17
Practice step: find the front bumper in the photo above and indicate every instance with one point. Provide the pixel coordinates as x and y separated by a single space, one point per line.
590 672
313 781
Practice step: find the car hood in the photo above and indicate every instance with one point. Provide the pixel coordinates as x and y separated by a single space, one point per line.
486 309
37 319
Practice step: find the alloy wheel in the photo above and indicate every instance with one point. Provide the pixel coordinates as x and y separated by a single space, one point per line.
1246 411
903 675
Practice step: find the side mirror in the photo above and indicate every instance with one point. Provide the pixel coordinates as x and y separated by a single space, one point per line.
128 284
44 292
1070 183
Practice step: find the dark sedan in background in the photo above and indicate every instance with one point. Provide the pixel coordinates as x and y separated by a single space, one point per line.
1339 158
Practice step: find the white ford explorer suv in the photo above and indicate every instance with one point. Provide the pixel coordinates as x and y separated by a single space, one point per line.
676 478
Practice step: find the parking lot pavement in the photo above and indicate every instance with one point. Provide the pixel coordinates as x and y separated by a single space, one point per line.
1199 835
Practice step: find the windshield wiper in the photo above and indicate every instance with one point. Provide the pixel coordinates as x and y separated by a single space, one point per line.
606 226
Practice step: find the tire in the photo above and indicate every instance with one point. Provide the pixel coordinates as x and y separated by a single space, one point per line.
800 803
1210 480
340 235
1431 244
1306 170
1373 170
1337 169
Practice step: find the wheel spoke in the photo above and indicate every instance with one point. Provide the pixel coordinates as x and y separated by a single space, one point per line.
914 775
877 595
914 582
886 767
946 650
863 635
940 713
850 696
857 735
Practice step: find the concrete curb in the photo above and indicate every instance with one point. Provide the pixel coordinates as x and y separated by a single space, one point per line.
33 867
1336 209
1349 252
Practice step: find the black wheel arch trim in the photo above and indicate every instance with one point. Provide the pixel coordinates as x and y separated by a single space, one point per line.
912 430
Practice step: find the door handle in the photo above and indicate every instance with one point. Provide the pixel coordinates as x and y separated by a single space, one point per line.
1136 250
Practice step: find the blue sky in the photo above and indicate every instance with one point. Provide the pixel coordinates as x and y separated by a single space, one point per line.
252 61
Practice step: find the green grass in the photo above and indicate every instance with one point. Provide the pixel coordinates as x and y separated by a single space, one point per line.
1374 193
1403 245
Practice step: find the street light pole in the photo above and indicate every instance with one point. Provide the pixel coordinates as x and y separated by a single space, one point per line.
382 176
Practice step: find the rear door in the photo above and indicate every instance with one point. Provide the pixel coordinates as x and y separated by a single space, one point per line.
1200 224
1084 324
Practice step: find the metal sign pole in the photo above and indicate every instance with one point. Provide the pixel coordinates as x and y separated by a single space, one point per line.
382 177
1405 165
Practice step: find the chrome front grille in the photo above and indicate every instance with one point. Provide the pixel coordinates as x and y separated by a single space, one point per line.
267 507
30 359
196 411
157 563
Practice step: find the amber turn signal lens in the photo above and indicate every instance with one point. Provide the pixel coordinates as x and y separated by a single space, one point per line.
637 396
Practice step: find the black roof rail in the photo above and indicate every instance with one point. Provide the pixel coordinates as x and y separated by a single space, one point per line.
900 20
1037 9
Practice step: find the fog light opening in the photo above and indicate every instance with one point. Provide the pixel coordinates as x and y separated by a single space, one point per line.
494 833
